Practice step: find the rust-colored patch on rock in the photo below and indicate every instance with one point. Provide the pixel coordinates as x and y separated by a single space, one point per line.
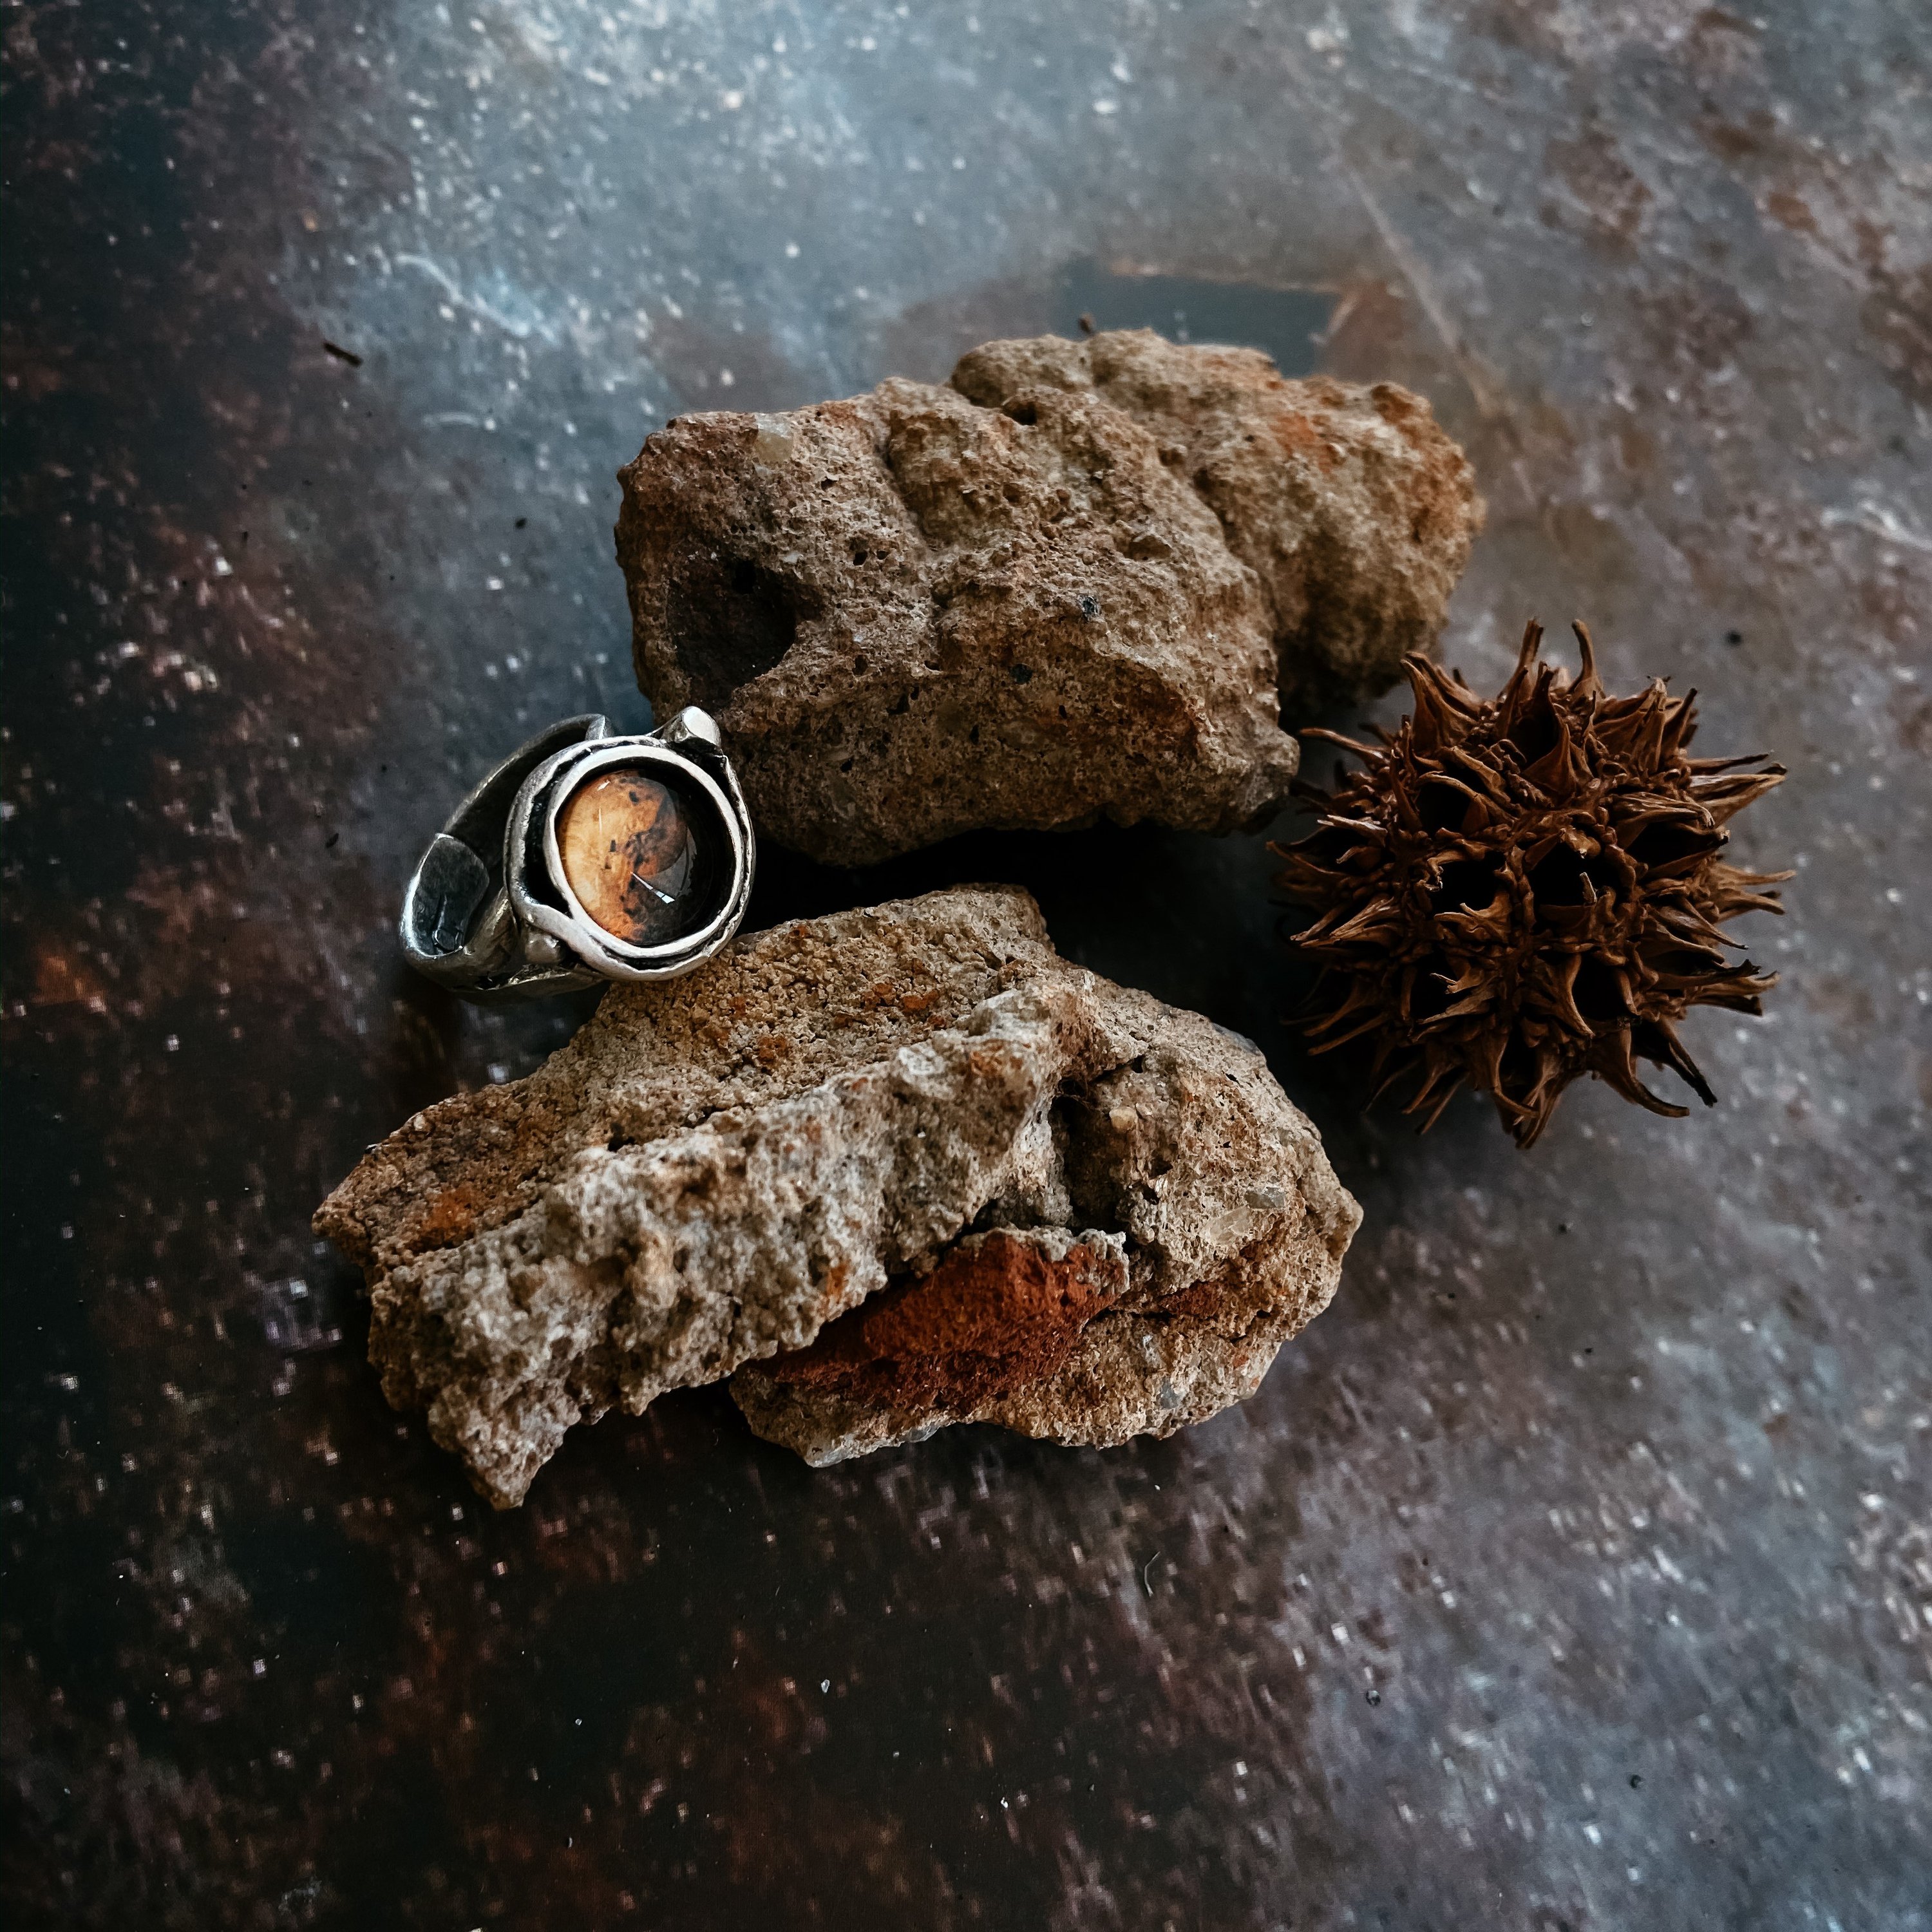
449 1216
1000 1308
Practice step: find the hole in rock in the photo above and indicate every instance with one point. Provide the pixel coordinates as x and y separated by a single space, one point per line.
733 620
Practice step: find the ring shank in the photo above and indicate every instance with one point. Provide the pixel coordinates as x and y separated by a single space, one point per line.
457 926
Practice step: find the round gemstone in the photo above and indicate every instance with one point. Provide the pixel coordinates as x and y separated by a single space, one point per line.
631 853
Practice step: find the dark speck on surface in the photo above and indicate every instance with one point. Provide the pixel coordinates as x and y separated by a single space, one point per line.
265 1660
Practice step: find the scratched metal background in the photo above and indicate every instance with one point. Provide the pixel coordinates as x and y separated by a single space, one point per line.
1574 1571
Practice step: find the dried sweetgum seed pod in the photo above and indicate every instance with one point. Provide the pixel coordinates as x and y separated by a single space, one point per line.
1515 892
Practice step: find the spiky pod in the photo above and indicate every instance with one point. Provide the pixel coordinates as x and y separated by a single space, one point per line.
1518 891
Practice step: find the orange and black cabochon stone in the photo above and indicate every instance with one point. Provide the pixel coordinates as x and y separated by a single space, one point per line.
631 851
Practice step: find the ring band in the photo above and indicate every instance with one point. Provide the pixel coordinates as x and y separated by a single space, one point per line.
585 856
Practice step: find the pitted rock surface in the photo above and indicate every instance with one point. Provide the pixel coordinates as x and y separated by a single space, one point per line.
1084 1213
1068 585
1351 507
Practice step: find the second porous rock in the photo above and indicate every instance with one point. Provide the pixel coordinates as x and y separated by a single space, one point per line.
907 1160
1074 583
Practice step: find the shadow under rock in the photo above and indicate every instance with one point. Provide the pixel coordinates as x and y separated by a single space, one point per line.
1195 920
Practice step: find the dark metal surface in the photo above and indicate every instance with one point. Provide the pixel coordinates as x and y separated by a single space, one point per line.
1573 1570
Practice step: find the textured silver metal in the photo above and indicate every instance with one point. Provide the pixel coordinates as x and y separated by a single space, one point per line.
489 912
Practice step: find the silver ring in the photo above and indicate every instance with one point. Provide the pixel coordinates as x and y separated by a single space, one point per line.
585 856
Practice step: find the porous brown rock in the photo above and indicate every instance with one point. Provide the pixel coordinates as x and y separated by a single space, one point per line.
1077 1210
1068 585
1346 499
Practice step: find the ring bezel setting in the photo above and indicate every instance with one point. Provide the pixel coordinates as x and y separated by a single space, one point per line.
491 913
